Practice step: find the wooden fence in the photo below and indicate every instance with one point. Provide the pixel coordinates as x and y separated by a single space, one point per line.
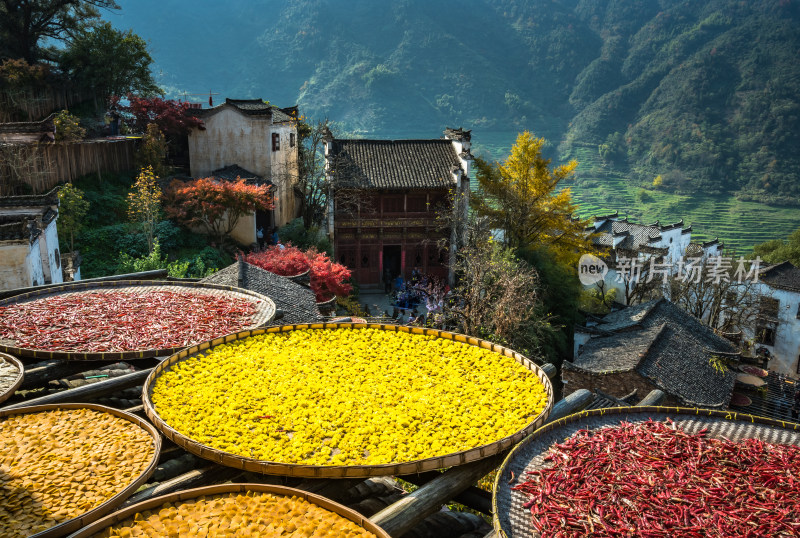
34 104
43 166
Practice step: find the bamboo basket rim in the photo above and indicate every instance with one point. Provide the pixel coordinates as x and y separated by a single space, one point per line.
107 506
13 388
120 355
345 471
585 416
221 489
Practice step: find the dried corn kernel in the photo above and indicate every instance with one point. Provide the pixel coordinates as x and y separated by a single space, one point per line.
347 397
237 514
56 465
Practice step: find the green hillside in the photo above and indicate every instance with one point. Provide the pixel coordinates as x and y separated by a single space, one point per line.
705 94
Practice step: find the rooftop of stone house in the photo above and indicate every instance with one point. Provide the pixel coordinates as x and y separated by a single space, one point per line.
295 300
635 236
49 198
235 172
665 345
784 276
395 164
46 127
249 107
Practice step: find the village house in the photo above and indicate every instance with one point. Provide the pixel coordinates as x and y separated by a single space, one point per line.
29 251
621 241
383 201
655 345
258 138
777 326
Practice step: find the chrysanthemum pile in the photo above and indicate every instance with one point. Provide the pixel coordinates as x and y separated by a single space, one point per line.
347 397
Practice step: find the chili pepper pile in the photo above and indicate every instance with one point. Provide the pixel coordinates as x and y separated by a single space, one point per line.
122 320
654 479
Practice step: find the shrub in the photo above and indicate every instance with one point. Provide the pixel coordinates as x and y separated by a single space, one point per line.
328 279
281 260
68 128
300 236
643 197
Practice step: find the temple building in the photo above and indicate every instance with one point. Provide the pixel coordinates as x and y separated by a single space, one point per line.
383 201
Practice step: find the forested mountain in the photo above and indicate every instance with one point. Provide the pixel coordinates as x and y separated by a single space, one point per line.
705 94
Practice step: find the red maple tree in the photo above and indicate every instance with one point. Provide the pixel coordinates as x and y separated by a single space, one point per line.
284 260
215 205
169 115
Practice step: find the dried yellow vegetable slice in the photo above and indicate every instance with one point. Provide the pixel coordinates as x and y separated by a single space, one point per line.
65 463
255 514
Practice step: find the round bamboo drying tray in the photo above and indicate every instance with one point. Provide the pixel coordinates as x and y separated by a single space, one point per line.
343 471
13 388
149 504
99 511
265 311
511 520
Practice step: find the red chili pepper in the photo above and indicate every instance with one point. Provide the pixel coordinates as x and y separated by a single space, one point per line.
114 320
654 479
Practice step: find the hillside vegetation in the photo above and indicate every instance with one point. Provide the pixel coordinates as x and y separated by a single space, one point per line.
704 94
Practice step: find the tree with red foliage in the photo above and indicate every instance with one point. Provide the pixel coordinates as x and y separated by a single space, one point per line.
284 260
216 205
328 279
169 115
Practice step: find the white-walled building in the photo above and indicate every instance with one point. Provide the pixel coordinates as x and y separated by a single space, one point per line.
777 325
29 250
257 137
621 241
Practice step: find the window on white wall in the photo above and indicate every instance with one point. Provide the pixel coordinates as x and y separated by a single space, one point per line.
292 140
276 142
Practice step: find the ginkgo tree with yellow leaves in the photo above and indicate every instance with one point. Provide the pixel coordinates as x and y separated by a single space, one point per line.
144 204
520 196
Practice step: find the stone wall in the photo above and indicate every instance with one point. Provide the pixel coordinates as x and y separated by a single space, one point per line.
618 384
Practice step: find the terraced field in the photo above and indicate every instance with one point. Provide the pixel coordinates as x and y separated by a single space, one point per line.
738 224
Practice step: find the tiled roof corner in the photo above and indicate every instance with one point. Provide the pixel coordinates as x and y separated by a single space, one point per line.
666 345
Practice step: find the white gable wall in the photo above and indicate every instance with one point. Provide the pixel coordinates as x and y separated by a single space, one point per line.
786 351
231 137
50 255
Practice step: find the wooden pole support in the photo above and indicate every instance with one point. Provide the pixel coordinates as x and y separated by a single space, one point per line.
653 398
577 401
549 369
192 479
406 513
89 392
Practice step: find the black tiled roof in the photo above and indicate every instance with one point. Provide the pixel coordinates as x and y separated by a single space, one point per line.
250 107
782 276
395 164
627 317
620 352
44 126
296 301
638 235
15 230
31 200
234 172
666 345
